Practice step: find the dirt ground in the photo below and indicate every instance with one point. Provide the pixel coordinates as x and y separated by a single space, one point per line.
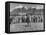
21 27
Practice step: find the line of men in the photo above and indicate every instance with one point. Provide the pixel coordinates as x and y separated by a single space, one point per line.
26 19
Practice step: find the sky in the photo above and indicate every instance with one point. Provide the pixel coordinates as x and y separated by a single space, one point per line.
14 5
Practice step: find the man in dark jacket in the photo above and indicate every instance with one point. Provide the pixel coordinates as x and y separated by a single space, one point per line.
27 20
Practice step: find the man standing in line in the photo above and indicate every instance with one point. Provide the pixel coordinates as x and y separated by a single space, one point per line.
27 20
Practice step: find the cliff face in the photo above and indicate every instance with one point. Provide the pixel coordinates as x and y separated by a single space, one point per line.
24 10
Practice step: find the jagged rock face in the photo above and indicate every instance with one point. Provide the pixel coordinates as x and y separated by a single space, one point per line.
22 9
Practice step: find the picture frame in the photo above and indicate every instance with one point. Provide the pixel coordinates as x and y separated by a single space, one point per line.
7 15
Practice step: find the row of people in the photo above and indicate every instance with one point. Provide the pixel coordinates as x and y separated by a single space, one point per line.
26 19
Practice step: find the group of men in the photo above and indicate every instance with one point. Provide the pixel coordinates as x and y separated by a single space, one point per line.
25 19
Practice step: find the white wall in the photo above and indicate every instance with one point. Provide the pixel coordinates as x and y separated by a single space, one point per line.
2 17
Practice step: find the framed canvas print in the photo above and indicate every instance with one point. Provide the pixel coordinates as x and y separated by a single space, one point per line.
24 17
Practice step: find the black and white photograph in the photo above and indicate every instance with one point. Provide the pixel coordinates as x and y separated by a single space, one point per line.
26 17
